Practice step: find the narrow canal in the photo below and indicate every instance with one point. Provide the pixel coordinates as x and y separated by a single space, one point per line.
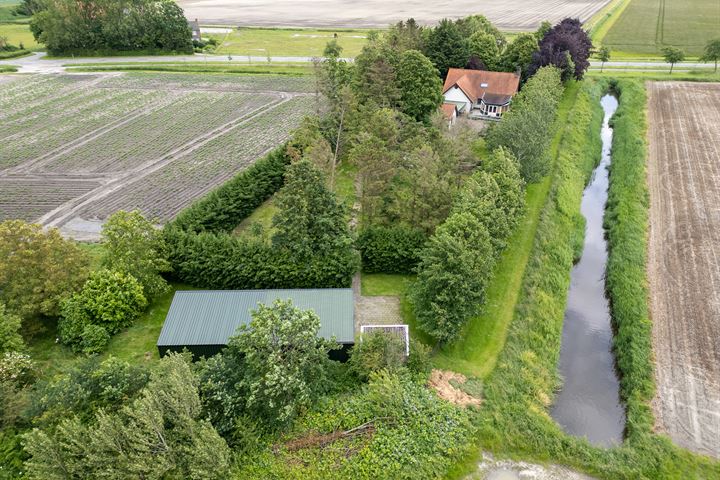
589 403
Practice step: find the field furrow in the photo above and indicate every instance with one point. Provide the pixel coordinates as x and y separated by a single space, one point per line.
162 194
31 197
162 131
684 261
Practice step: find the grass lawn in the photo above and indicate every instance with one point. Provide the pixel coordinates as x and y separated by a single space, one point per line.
282 42
261 216
17 34
476 351
134 345
646 26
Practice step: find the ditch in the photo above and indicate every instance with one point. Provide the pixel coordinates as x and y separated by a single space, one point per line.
588 405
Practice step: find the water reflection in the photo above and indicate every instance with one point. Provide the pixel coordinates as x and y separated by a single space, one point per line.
589 403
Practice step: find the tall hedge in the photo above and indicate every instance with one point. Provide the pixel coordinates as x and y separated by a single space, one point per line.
225 207
204 253
393 249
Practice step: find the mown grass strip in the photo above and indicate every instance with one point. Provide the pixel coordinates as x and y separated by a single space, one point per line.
476 351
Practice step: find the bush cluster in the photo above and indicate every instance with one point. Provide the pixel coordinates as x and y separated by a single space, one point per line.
393 249
109 302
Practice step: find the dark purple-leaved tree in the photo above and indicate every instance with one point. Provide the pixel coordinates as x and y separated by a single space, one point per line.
566 46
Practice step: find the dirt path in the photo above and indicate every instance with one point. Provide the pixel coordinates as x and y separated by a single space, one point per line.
684 260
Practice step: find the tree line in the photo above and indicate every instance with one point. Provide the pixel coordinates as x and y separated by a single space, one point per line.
86 26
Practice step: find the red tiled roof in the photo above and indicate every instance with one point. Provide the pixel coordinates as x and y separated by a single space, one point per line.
499 85
448 110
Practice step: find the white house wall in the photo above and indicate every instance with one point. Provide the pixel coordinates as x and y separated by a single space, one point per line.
457 95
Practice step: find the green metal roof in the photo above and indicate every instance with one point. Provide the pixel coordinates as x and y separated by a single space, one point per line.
211 317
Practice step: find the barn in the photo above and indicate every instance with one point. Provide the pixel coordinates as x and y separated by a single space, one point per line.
202 321
481 93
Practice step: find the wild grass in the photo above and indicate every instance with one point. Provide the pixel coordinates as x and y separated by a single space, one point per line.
17 34
483 338
8 68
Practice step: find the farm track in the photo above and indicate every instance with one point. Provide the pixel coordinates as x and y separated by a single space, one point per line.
684 261
65 212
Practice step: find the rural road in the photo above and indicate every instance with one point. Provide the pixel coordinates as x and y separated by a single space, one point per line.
36 63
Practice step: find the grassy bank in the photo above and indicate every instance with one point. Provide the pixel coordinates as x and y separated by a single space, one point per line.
290 42
483 338
514 420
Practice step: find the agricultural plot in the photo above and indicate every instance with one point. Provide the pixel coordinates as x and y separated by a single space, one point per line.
507 15
646 26
684 261
75 148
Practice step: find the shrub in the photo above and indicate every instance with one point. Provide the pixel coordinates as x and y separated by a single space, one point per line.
17 369
377 351
393 249
94 339
419 360
111 300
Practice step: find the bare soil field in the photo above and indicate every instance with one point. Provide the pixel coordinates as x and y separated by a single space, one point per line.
76 148
684 260
506 15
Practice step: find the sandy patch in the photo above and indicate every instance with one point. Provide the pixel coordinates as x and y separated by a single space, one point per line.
440 382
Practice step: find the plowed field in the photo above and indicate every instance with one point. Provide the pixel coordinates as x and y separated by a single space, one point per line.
76 148
684 260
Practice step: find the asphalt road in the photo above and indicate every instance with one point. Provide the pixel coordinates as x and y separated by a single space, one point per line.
36 63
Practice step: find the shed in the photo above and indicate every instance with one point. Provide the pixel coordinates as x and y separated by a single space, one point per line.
204 320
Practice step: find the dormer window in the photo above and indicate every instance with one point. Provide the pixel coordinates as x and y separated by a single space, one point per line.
483 85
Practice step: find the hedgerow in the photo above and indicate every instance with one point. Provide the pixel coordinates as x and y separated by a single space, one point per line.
204 253
393 249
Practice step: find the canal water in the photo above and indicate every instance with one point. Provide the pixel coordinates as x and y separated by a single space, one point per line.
589 403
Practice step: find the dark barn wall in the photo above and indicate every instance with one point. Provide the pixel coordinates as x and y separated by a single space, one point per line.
198 351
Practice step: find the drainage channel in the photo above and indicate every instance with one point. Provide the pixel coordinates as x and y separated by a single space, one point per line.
589 403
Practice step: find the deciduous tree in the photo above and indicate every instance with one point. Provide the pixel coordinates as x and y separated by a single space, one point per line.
419 85
712 52
159 435
519 54
10 338
672 56
135 247
38 269
452 276
604 56
484 46
565 40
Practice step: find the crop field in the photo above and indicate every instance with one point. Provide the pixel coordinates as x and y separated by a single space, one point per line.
646 26
684 261
76 148
507 15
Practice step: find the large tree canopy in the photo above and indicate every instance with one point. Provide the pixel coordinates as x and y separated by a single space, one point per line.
565 42
446 47
419 84
122 25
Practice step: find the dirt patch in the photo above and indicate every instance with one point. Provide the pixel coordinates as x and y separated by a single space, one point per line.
684 260
446 384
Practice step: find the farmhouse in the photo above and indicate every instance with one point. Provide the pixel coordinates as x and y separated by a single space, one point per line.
195 28
479 93
203 321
